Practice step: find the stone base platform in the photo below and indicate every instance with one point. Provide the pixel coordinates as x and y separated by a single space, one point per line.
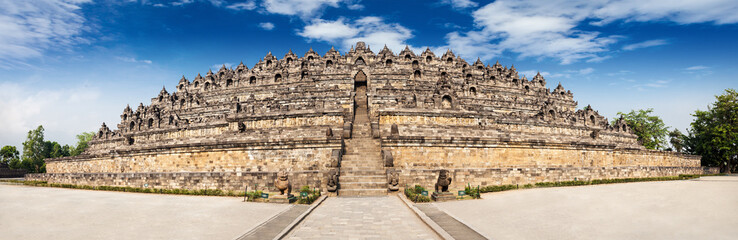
443 196
281 199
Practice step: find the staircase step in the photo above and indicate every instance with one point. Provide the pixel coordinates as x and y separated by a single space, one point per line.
362 172
363 185
368 178
362 192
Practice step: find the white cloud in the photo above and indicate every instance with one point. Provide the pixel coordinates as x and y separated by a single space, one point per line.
182 2
266 26
585 71
651 84
682 11
459 3
302 8
355 6
329 31
62 112
133 60
696 68
645 44
250 5
371 30
551 29
30 28
216 67
565 74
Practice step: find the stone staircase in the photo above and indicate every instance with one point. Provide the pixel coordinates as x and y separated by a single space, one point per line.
362 170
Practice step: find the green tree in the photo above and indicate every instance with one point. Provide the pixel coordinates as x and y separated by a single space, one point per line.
650 129
676 138
34 150
55 150
82 140
714 133
8 155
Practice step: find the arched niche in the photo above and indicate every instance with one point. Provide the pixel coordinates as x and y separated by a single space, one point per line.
446 102
360 61
360 77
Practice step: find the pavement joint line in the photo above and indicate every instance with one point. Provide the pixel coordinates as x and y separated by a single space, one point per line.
429 222
299 219
457 219
254 229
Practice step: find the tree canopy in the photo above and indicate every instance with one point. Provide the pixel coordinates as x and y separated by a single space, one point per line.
36 149
650 129
9 155
676 138
714 133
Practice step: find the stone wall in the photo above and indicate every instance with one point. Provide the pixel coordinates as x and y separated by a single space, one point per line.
431 155
306 157
531 175
12 173
233 181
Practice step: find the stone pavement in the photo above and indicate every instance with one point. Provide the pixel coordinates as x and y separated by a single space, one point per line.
692 209
56 213
362 218
453 227
271 228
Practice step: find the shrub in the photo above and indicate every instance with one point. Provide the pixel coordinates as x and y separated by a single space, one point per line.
312 195
473 192
415 194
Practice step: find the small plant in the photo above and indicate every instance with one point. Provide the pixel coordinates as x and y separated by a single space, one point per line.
473 192
311 195
415 194
253 195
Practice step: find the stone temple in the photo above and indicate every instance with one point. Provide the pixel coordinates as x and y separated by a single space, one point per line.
361 124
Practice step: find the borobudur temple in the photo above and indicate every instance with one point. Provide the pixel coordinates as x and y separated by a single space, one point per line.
361 123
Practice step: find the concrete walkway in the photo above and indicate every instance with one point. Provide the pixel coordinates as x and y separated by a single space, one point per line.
452 226
272 228
57 213
362 218
692 209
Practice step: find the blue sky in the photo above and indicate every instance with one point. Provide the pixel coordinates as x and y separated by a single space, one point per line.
72 64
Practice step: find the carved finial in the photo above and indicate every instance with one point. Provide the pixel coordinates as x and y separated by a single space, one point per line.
332 51
478 62
290 52
210 72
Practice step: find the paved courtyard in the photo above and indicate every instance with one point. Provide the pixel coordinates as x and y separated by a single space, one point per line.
55 213
362 218
693 209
